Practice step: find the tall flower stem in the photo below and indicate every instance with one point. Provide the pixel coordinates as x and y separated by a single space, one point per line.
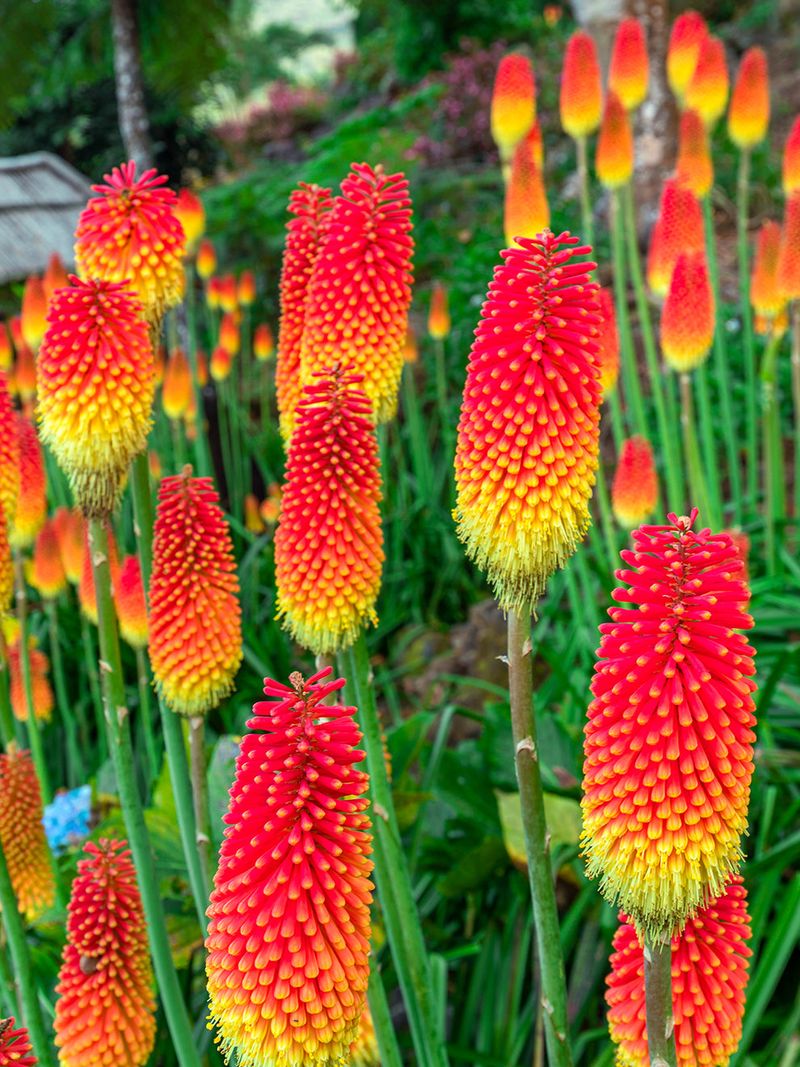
34 734
658 1003
385 1035
606 517
118 726
697 484
709 459
540 874
201 449
630 372
617 423
90 664
751 434
151 746
197 767
583 183
8 726
395 892
74 760
773 453
23 971
795 359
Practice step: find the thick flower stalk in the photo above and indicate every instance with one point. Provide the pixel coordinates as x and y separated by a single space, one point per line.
33 316
41 691
87 593
687 319
31 510
69 528
791 160
129 233
607 342
439 313
581 93
130 603
629 69
528 432
105 1011
694 168
634 491
96 384
177 390
678 229
669 741
765 293
48 574
289 919
22 834
748 113
190 213
689 30
329 542
9 453
360 288
513 110
614 155
526 210
310 205
709 977
195 618
707 91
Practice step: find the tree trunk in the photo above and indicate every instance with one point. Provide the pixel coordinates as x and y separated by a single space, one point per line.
133 121
656 133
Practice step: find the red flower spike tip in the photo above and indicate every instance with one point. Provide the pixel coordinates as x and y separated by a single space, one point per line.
69 527
206 261
687 319
195 619
289 922
48 574
581 94
177 390
410 346
709 978
360 289
694 168
513 103
689 30
87 597
310 205
41 691
229 334
9 454
765 293
228 295
607 342
6 351
528 432
439 313
678 229
789 253
15 1045
130 233
791 160
364 1050
614 154
669 742
246 289
329 543
630 69
707 91
96 385
105 1011
33 319
527 212
22 834
31 509
634 492
263 342
55 277
191 214
221 364
748 114
130 603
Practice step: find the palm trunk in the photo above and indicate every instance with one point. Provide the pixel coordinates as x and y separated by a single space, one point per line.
133 121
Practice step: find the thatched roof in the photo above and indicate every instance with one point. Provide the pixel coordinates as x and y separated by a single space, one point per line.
41 197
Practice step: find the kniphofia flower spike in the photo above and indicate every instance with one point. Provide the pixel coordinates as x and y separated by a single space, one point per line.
22 833
15 1045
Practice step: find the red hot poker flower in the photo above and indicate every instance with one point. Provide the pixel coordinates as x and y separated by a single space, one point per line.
614 154
765 294
48 574
607 342
9 454
22 833
527 212
191 214
687 319
31 509
629 69
15 1045
263 342
69 530
55 277
791 160
439 314
679 228
689 30
513 103
41 692
748 114
581 97
289 923
634 492
130 603
694 168
177 390
707 91
669 740
789 254
206 261
34 312
105 1012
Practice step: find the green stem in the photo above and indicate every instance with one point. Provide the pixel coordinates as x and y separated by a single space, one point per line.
630 372
143 516
697 486
7 728
23 971
710 462
583 183
418 441
658 1003
197 765
151 746
75 762
617 423
118 725
385 1034
395 892
178 446
34 734
751 434
795 362
201 451
90 664
773 452
545 913
606 517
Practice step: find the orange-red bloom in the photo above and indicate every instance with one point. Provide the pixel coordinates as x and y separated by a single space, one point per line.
765 294
527 212
246 288
748 114
329 543
707 91
614 155
688 33
31 509
634 492
263 342
709 977
130 603
96 384
360 288
41 691
694 168
439 313
252 514
791 160
678 229
6 569
9 454
687 318
310 205
24 369
410 346
130 233
70 533
364 1050
195 619
528 432
55 277
190 213
289 922
33 319
6 352
206 261
105 1011
513 103
15 1045
607 342
669 740
630 67
221 363
228 296
581 96
789 254
229 334
48 574
177 390
22 833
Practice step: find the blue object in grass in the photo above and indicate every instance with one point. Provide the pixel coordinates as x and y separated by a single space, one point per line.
66 818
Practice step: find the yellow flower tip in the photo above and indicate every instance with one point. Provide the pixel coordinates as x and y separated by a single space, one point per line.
614 155
513 111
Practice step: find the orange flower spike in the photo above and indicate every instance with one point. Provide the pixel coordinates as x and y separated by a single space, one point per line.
607 342
96 385
581 97
694 168
24 371
130 603
48 574
687 319
410 346
105 1007
33 319
87 597
177 391
364 1050
252 514
190 213
439 313
246 289
329 555
310 207
9 454
206 261
528 432
748 114
129 233
536 145
15 1045
221 364
229 334
271 506
69 529
614 153
263 342
679 228
6 351
707 91
228 297
201 360
526 209
789 253
709 978
31 509
634 492
22 834
791 160
630 68
765 293
6 570
689 30
360 289
41 691
669 743
55 276
195 619
290 988
513 110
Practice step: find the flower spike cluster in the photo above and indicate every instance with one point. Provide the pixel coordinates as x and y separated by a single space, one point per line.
48 574
581 96
9 454
687 319
678 228
791 160
130 603
439 313
526 209
694 168
629 70
513 110
689 30
22 833
329 542
709 977
789 253
614 154
105 1012
31 509
765 294
289 922
669 741
707 91
607 342
634 492
748 114
528 432
96 385
15 1045
6 570
41 692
